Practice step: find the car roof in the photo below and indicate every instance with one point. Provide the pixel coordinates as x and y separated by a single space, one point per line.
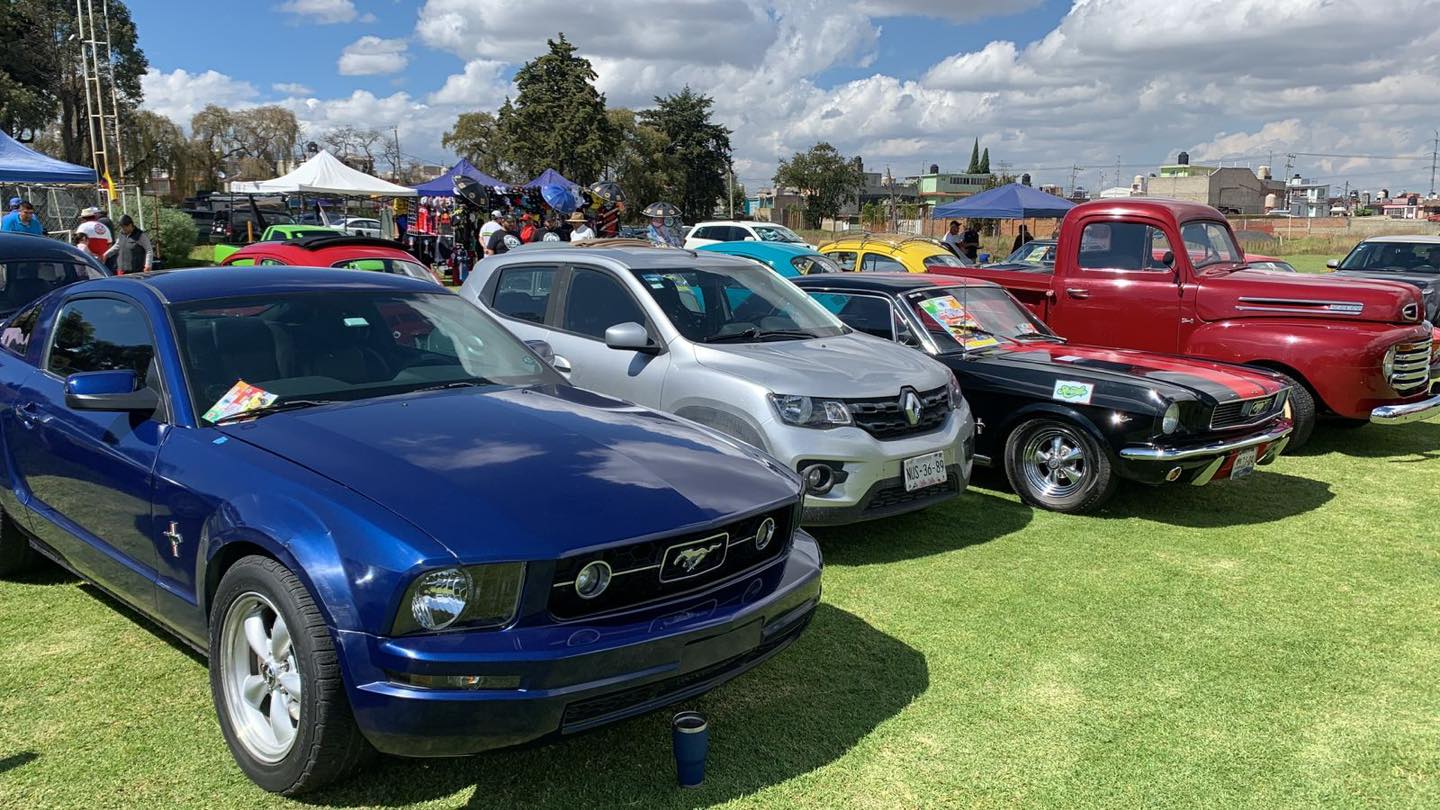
320 247
199 284
1414 238
28 246
889 282
629 252
892 244
745 248
1179 210
743 222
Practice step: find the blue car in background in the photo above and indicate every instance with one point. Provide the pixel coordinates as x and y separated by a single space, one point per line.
420 540
788 259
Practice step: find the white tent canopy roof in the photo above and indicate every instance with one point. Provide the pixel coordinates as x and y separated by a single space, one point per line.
325 174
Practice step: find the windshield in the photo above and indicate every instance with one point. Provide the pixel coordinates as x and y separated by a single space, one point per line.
947 260
1034 253
814 263
344 346
1209 243
777 233
399 267
740 304
960 318
1395 257
23 281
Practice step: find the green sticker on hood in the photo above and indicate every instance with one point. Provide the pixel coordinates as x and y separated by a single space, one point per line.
1078 393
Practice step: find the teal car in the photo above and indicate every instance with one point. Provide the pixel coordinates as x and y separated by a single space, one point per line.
788 259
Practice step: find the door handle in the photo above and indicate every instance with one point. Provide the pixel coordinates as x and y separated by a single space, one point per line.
25 412
1077 292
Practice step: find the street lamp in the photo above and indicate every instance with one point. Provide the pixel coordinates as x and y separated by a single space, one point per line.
889 183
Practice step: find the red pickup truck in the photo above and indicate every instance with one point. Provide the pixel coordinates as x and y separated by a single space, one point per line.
1168 276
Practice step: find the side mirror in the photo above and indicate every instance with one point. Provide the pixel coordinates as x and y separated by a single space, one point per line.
629 336
1168 259
108 391
1333 264
542 348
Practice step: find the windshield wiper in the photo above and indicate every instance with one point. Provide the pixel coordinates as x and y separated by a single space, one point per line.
453 384
1038 336
758 334
287 405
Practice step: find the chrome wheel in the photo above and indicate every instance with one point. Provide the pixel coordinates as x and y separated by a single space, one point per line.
1054 462
260 676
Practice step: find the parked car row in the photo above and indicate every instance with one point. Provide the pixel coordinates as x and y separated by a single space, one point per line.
404 520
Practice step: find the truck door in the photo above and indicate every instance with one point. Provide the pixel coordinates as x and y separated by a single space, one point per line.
1120 290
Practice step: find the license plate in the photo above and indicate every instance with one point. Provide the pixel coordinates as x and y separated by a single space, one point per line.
925 471
1244 464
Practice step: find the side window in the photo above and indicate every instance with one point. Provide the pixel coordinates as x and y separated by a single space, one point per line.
869 314
101 334
243 263
705 233
1122 246
596 302
16 337
524 292
845 259
875 263
271 261
738 234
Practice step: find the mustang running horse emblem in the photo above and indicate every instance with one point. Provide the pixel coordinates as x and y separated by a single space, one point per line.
690 558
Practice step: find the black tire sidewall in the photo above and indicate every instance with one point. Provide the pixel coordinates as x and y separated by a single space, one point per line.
268 578
1097 489
16 556
1302 409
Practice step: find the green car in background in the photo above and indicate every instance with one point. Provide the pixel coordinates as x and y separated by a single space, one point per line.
275 233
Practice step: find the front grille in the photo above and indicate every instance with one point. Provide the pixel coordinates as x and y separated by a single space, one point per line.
894 496
885 418
671 689
1243 412
637 569
1412 366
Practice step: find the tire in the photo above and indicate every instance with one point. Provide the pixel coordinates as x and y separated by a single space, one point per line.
1302 409
16 555
324 744
1084 481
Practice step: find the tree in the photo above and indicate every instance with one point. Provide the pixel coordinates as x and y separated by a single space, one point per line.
824 177
698 145
252 141
557 119
974 167
58 26
737 199
28 90
872 216
476 137
985 161
153 144
641 162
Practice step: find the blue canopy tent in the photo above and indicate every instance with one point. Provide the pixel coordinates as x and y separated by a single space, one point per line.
550 177
23 165
1012 201
444 185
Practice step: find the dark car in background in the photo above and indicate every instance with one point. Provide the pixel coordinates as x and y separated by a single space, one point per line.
241 224
32 266
1037 255
1414 260
1067 422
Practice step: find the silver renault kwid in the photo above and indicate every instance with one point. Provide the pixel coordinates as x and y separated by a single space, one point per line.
874 428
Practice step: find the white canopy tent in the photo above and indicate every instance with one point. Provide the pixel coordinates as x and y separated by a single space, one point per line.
325 174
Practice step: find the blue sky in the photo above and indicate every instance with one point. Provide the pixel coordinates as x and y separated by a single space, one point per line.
1044 83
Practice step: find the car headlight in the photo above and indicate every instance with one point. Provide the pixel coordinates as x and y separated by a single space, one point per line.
471 597
807 412
1387 366
953 392
1171 421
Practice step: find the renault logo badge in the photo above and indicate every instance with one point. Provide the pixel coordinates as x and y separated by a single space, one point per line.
910 404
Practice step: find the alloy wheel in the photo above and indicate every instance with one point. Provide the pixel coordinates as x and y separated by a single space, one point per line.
260 673
1054 463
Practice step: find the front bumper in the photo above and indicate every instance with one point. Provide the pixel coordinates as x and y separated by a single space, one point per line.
575 676
1200 464
1421 411
871 468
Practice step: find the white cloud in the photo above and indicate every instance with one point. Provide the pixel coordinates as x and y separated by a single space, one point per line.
480 86
291 88
180 94
369 56
321 11
954 10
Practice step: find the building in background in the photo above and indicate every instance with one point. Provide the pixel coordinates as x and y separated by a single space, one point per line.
935 187
1308 198
1234 190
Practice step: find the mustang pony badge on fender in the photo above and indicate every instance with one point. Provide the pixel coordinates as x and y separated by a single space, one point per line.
1076 392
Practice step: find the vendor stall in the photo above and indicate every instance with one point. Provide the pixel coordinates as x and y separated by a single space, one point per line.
57 189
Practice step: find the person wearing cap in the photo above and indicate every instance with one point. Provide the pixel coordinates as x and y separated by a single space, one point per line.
100 236
490 227
133 251
22 219
502 241
528 232
555 229
580 230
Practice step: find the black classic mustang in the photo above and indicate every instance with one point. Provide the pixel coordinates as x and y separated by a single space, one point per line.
1066 421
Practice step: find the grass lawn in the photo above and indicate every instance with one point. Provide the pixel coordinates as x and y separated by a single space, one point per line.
1309 264
1271 643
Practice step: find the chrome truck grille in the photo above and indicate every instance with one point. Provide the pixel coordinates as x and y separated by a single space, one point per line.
1412 366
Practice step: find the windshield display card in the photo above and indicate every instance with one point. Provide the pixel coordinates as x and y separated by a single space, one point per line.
950 313
241 397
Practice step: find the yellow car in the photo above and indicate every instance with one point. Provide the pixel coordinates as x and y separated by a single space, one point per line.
891 254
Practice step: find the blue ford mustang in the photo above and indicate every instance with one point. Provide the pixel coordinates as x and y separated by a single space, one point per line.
387 522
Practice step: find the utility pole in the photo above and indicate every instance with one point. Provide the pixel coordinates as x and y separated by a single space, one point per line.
730 172
1074 170
1433 151
398 157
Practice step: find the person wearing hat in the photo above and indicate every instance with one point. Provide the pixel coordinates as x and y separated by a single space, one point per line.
502 241
528 232
556 230
660 233
580 230
490 227
100 236
133 251
22 219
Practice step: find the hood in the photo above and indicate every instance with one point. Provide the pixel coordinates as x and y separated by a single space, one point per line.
1428 283
1252 294
524 474
1170 376
853 366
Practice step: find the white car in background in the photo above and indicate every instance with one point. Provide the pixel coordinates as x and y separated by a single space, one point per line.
708 233
359 226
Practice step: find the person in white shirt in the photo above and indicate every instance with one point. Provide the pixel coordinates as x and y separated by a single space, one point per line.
582 230
952 237
97 235
488 229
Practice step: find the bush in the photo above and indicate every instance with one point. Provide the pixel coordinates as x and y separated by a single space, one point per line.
173 234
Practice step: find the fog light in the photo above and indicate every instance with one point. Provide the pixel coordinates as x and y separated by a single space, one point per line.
1174 474
764 534
456 681
593 579
818 479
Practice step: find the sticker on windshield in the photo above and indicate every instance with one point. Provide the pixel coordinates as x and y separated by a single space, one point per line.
356 322
241 397
950 313
1077 393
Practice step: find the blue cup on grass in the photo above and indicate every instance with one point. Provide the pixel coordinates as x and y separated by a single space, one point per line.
690 734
